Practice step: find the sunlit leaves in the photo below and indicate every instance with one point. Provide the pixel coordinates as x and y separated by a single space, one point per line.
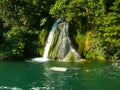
111 29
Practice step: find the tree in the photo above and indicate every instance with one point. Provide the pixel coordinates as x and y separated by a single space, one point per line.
110 29
97 16
24 20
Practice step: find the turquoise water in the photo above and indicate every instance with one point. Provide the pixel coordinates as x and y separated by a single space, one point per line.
38 76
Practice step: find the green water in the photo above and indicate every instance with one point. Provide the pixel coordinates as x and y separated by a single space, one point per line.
38 76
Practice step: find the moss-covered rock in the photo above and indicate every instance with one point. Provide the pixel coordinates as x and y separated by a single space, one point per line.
43 36
61 47
100 58
42 41
53 52
70 57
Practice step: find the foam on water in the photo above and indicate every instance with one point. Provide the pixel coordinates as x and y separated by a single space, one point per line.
61 69
40 59
9 88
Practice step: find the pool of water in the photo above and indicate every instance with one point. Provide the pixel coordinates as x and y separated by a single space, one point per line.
38 76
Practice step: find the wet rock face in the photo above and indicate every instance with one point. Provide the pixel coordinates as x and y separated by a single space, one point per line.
61 47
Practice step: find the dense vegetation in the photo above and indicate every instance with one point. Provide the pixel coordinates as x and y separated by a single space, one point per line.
94 26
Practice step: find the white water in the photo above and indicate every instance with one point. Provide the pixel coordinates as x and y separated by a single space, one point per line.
49 41
48 44
61 69
64 42
77 56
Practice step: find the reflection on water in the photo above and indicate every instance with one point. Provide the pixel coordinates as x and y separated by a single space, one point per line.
38 76
9 88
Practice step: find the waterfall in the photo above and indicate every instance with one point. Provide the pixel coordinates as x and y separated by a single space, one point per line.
58 44
77 56
50 38
61 47
48 43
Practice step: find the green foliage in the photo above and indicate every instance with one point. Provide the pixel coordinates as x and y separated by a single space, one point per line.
96 48
110 29
58 8
42 41
19 42
80 41
66 8
24 12
22 21
24 26
13 43
99 16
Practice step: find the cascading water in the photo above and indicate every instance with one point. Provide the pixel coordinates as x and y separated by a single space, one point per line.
49 40
48 43
61 47
77 56
58 45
